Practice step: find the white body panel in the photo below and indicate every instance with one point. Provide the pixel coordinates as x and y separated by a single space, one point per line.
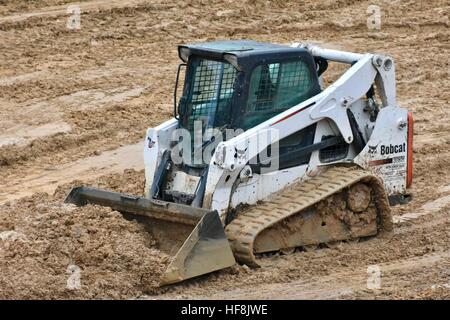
386 151
260 186
156 141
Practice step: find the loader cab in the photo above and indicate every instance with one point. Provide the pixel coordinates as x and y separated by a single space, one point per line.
240 84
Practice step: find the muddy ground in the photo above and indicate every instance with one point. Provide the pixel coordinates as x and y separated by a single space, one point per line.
75 104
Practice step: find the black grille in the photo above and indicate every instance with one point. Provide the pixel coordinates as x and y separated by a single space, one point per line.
333 153
279 82
212 90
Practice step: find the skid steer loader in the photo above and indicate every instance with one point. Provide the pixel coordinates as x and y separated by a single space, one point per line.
261 157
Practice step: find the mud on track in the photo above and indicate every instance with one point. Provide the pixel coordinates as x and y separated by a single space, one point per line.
75 105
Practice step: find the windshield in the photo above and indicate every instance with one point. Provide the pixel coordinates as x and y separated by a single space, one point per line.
209 93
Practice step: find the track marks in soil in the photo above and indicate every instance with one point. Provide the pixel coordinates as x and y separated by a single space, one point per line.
48 179
62 9
433 206
341 284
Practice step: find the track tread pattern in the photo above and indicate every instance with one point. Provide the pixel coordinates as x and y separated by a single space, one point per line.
244 229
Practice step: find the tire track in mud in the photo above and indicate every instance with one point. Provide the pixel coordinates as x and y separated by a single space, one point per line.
336 286
45 118
62 9
396 276
426 209
47 180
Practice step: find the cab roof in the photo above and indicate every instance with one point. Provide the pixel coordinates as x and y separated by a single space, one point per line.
242 50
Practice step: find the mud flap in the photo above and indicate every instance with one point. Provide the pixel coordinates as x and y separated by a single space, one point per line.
195 237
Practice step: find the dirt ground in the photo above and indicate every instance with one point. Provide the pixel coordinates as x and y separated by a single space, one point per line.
75 104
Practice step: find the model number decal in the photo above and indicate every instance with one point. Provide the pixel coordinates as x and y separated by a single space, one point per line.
396 162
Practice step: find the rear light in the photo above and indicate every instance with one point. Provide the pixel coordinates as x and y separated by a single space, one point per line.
409 165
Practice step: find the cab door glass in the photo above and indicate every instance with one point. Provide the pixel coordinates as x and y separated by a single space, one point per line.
274 88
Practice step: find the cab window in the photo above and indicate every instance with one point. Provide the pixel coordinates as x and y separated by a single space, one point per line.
274 88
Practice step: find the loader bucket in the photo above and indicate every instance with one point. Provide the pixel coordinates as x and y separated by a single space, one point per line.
194 237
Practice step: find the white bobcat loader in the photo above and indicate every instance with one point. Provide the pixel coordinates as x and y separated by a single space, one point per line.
261 157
